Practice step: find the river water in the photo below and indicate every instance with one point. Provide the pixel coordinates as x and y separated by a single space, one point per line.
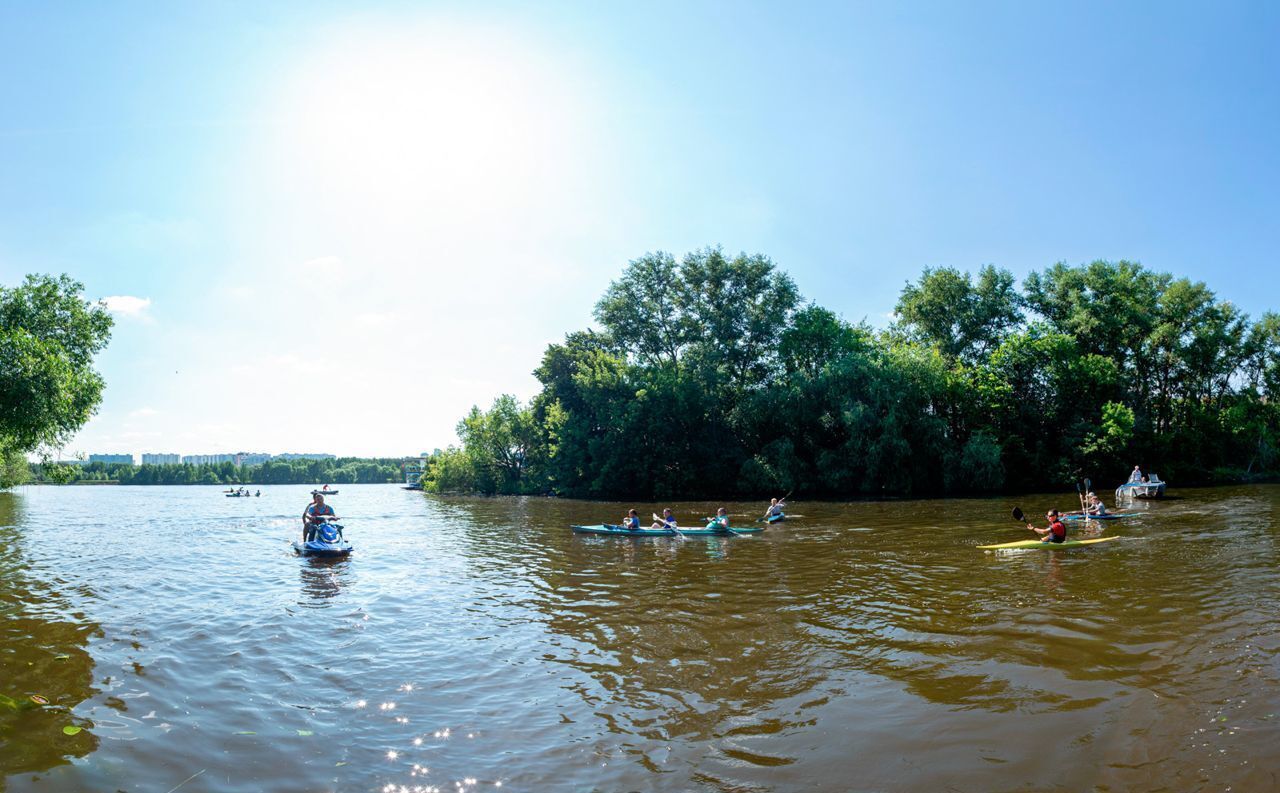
478 645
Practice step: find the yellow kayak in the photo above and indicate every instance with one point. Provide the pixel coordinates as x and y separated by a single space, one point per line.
1039 544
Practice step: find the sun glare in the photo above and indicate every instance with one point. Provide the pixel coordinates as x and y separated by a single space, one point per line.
426 117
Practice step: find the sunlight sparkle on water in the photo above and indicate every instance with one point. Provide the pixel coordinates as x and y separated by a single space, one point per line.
392 754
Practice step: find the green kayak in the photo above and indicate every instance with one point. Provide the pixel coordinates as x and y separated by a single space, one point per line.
1040 544
619 531
622 531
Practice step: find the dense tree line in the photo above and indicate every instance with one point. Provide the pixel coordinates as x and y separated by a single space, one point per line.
49 335
710 376
342 470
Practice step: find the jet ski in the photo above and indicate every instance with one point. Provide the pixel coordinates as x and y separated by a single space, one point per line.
328 541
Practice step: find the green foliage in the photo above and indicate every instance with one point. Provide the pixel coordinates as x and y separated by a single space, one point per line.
48 388
272 472
13 467
963 319
709 378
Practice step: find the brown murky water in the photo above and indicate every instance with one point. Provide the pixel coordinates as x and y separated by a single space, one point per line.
471 644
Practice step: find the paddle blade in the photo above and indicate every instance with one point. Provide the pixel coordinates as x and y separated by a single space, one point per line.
1018 516
1088 485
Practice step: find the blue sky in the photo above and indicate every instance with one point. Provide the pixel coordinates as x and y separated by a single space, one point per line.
336 230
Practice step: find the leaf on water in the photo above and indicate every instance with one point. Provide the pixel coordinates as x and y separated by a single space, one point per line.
246 732
305 732
61 657
340 763
71 729
39 700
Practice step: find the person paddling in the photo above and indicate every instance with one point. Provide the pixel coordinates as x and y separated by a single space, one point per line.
315 514
632 521
720 522
667 521
1096 507
1057 531
775 508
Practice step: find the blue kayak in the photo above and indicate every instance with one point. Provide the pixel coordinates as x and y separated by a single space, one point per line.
621 531
781 516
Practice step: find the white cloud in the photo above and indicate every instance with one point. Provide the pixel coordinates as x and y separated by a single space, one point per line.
127 305
143 412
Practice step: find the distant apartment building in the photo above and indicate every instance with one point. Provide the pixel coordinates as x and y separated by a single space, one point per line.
161 459
208 459
306 457
251 458
127 459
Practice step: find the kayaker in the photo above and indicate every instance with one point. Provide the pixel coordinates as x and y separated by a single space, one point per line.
720 522
1096 507
775 508
667 521
631 521
314 515
1057 531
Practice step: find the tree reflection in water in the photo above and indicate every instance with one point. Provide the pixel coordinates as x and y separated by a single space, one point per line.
45 667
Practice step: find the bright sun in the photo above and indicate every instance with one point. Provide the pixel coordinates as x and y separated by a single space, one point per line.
428 117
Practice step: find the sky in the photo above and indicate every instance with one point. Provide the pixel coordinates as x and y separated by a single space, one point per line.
335 227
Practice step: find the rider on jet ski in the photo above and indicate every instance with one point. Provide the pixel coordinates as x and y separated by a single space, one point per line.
314 515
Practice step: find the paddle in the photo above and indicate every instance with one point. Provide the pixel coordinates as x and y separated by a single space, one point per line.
1021 518
657 519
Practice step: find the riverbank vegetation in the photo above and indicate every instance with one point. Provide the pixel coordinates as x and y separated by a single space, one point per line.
711 376
49 335
343 470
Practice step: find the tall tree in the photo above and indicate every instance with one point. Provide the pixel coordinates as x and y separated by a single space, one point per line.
963 319
49 335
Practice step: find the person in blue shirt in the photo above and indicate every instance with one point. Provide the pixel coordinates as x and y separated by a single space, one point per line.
632 521
668 520
315 514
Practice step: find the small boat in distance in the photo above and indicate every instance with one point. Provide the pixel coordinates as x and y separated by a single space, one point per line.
1150 486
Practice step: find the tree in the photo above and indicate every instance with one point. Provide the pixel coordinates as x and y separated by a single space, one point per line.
49 335
963 319
503 443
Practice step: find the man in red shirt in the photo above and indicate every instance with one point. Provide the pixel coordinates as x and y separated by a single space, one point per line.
1057 531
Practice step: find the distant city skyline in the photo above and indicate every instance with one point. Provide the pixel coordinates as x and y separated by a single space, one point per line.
173 458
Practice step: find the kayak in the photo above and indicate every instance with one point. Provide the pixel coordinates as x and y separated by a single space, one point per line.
324 492
609 528
1108 516
619 531
772 519
1039 544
